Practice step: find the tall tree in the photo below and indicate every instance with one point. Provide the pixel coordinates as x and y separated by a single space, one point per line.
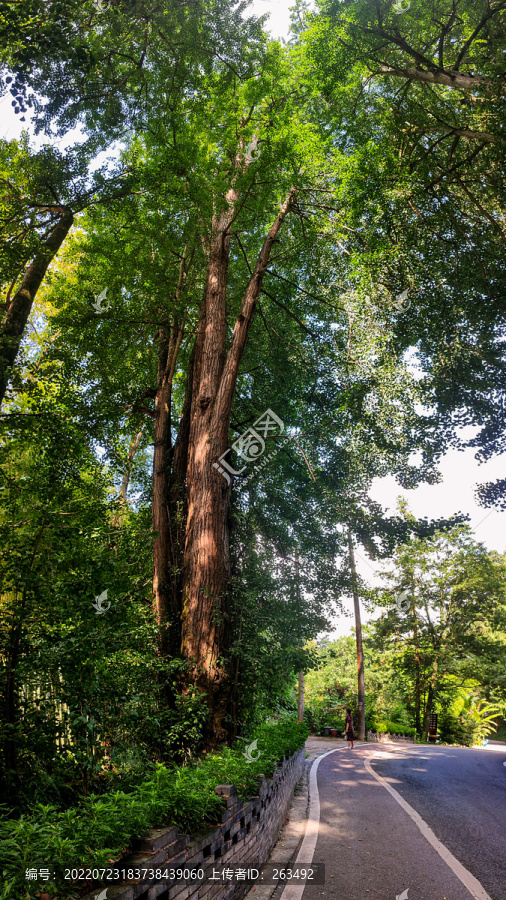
430 82
441 589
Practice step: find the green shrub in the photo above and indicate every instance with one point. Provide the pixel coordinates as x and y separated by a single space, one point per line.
386 727
101 828
319 715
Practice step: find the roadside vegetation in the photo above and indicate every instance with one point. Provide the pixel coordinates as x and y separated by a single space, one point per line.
434 645
242 279
101 828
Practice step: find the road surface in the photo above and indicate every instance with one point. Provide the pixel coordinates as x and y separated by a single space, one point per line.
376 849
461 794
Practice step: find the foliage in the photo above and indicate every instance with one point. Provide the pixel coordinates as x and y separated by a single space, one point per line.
444 594
389 130
385 727
434 647
102 827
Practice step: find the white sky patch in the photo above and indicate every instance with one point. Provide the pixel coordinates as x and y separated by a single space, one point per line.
279 15
460 472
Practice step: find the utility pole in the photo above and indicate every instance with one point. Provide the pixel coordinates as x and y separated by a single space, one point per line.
360 653
300 704
300 698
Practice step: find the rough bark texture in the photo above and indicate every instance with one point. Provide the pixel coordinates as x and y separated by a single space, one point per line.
166 513
167 606
360 652
16 317
205 635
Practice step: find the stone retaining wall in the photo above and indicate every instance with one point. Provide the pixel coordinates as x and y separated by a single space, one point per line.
383 738
246 836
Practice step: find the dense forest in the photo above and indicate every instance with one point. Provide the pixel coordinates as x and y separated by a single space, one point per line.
242 278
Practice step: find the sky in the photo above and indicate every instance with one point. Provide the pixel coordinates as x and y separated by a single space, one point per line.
460 473
459 470
279 15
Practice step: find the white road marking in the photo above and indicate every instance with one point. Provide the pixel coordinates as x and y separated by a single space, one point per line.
308 846
469 881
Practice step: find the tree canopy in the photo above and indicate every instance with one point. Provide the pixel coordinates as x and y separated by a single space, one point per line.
260 275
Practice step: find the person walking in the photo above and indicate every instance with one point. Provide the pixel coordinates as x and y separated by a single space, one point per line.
349 730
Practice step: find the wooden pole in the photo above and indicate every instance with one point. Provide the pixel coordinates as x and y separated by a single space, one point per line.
360 654
300 704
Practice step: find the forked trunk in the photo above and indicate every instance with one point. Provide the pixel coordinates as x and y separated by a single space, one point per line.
167 607
205 621
166 564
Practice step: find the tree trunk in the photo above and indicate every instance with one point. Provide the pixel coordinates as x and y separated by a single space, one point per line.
166 571
300 699
167 608
300 695
123 491
16 317
428 708
418 723
205 619
134 446
450 79
431 695
11 701
360 654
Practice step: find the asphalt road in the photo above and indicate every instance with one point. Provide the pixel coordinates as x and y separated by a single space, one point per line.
372 848
461 794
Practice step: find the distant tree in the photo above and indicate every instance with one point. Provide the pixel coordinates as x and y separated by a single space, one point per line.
443 594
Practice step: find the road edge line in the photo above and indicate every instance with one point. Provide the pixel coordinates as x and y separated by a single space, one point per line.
471 883
308 846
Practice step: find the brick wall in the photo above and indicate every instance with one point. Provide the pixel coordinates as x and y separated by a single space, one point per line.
246 836
383 738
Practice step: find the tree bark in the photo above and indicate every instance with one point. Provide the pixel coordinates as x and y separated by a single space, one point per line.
134 446
449 79
16 317
166 568
418 723
167 611
205 619
428 707
300 699
360 653
11 700
123 491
